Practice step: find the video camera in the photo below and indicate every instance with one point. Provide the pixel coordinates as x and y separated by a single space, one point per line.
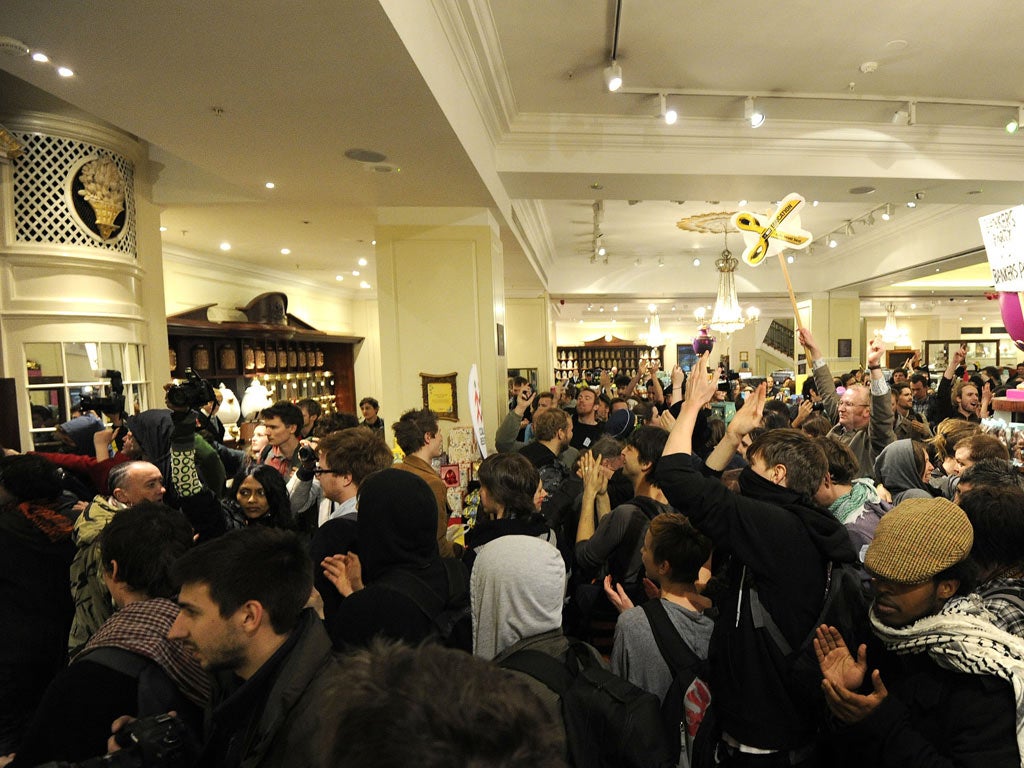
161 741
111 405
193 392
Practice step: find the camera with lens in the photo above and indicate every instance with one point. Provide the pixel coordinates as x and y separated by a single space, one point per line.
192 392
306 454
111 404
161 741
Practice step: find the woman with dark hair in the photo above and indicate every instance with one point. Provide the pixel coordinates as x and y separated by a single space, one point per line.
508 482
259 497
904 468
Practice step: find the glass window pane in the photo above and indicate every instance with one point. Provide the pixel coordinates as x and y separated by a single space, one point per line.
44 363
135 398
82 361
46 441
48 408
134 365
112 357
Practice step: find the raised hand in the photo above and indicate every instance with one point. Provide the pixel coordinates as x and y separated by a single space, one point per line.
852 707
701 384
876 348
837 664
750 415
807 340
616 595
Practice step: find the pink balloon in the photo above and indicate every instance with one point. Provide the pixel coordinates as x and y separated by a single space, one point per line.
1013 317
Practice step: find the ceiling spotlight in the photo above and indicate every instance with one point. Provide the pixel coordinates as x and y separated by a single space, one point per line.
887 212
790 259
286 251
742 202
339 278
599 247
613 76
652 308
1014 125
163 229
270 185
670 115
355 273
364 284
696 262
65 72
373 242
225 246
589 307
41 57
601 308
814 204
362 262
615 308
911 204
755 116
832 242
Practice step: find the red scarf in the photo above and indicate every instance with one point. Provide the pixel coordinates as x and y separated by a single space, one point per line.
53 525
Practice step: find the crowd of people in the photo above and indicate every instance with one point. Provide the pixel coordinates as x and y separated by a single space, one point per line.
650 580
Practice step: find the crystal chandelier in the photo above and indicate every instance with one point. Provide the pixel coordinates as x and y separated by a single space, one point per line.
727 316
892 333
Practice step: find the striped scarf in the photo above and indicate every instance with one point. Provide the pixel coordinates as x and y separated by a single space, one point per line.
142 628
960 638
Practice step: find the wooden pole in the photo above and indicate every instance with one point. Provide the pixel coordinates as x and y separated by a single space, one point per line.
789 287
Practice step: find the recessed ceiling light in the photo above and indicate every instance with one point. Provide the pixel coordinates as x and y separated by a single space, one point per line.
285 251
163 229
651 307
597 185
365 155
913 306
225 246
373 242
355 273
865 190
911 204
270 185
615 308
362 262
814 204
696 262
41 57
364 284
790 259
65 72
339 278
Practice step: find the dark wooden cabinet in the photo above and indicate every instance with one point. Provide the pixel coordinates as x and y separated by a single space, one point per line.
294 361
599 354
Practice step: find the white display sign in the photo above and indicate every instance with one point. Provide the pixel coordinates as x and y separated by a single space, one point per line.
1003 235
476 411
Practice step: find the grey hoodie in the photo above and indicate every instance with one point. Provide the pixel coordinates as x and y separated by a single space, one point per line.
896 469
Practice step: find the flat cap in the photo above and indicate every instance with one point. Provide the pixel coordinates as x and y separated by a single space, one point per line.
918 539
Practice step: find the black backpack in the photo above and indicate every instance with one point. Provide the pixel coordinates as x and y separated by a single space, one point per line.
686 667
609 722
844 606
451 618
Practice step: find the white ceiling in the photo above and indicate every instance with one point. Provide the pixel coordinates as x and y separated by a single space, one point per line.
502 105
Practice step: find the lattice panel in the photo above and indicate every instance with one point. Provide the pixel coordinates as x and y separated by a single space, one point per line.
41 210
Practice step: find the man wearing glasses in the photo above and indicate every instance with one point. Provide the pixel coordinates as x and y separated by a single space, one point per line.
864 413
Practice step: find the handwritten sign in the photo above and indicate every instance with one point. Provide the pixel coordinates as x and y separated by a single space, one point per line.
1003 235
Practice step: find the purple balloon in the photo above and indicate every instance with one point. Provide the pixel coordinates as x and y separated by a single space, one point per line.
1013 317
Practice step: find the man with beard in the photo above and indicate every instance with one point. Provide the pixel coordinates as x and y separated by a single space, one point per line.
938 691
243 615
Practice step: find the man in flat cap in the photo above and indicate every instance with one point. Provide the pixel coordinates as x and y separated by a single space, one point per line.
938 693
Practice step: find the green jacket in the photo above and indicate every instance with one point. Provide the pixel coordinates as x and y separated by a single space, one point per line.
93 604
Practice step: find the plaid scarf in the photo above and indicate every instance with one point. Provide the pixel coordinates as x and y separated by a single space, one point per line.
142 628
962 639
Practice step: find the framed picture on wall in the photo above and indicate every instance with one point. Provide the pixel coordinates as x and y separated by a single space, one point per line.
844 348
440 395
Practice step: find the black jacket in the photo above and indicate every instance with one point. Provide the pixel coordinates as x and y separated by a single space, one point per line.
932 717
784 544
